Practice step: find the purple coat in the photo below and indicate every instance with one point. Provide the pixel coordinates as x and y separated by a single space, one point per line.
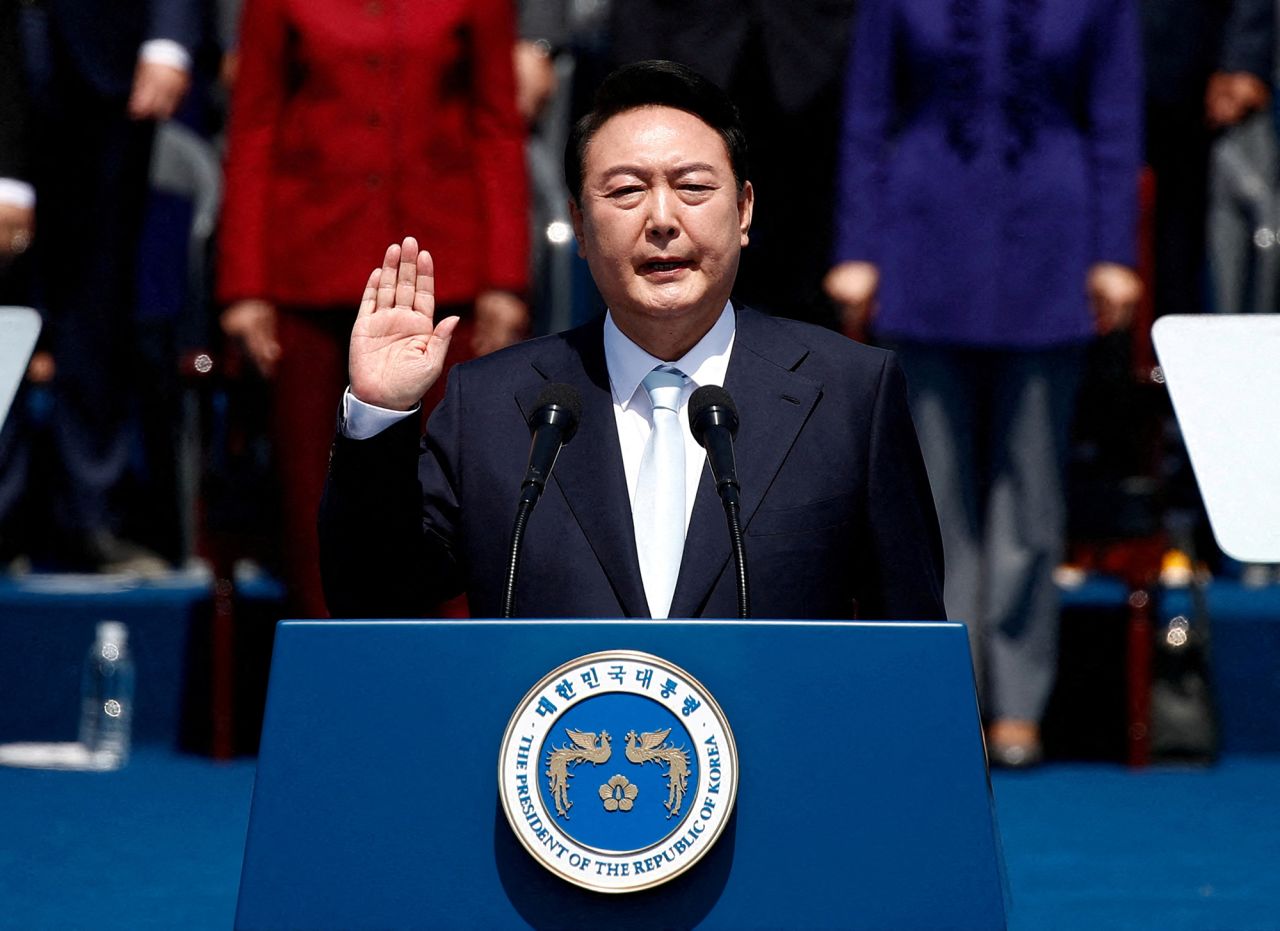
990 155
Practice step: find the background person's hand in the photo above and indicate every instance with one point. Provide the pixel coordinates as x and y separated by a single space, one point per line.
1114 291
852 288
157 91
397 348
253 323
1233 95
501 319
535 79
17 226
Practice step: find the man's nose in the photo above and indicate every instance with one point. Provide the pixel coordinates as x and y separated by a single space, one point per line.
662 214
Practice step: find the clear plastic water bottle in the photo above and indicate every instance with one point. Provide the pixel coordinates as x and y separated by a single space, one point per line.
106 697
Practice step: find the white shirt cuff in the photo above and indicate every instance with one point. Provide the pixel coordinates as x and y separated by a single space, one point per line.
165 52
361 421
17 193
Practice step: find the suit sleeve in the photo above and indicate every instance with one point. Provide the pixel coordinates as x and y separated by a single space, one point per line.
902 578
499 139
179 20
864 136
1115 133
388 519
1249 39
13 99
257 104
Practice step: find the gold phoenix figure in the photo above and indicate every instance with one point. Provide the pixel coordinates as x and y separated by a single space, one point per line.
652 750
585 749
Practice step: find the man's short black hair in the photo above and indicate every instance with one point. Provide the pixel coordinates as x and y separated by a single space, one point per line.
657 84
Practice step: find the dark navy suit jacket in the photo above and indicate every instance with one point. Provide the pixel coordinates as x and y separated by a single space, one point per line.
102 37
837 510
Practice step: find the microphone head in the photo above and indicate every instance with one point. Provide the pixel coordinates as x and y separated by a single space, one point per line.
711 406
558 404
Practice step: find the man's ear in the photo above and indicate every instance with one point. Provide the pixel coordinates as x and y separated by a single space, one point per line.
746 206
575 216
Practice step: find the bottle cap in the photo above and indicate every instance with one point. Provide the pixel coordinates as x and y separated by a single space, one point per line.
113 632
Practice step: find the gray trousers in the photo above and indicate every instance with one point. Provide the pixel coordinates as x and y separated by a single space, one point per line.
994 427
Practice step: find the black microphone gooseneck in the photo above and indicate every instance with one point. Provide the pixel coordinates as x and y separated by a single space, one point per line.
713 418
553 423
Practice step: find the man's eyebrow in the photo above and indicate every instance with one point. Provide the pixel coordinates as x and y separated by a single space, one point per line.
682 169
691 167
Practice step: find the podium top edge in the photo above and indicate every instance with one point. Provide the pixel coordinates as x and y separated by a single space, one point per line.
617 622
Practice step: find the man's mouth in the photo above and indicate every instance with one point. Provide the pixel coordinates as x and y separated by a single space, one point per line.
663 265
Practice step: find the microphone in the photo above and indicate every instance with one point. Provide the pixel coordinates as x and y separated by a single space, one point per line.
553 423
713 419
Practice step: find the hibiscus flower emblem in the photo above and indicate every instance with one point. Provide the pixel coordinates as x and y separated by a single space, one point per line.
618 794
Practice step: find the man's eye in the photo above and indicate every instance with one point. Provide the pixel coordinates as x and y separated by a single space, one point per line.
626 191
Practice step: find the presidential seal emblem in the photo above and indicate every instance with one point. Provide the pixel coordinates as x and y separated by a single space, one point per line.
618 771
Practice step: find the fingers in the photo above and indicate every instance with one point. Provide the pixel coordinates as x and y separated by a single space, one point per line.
424 298
157 90
406 272
386 296
444 329
405 279
369 299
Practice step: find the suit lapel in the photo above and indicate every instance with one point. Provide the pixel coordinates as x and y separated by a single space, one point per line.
589 472
773 401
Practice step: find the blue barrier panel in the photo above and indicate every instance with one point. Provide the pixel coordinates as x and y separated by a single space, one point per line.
47 625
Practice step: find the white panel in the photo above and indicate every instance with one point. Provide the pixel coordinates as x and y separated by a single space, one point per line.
1223 374
19 327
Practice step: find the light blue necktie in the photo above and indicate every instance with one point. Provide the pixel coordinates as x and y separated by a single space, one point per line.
658 512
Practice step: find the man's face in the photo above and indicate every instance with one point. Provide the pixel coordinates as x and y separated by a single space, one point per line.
661 223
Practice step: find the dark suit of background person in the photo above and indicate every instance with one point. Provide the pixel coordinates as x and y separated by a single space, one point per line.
335 105
782 62
835 503
89 163
989 172
17 214
15 168
1190 47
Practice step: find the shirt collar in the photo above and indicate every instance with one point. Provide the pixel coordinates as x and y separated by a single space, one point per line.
705 364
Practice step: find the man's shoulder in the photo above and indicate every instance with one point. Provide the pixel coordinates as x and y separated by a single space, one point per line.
800 346
577 347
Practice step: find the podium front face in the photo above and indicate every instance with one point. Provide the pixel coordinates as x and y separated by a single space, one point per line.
862 796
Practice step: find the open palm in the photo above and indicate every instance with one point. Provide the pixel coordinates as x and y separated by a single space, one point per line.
397 348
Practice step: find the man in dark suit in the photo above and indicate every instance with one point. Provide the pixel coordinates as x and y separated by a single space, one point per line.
99 77
838 515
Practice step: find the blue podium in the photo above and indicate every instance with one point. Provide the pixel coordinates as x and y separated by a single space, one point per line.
862 802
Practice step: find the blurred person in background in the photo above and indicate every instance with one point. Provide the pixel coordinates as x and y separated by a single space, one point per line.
1209 74
96 78
782 62
1208 67
333 105
986 229
17 196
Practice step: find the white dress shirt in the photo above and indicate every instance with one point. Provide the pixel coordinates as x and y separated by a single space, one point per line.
628 364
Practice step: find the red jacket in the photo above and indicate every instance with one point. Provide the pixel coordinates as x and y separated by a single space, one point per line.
354 124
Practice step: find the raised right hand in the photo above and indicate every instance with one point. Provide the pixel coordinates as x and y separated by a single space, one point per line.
397 349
